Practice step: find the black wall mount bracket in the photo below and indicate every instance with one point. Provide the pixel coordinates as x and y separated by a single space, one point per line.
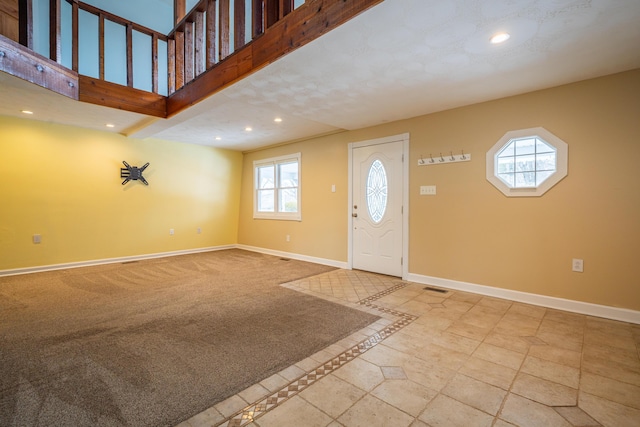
133 173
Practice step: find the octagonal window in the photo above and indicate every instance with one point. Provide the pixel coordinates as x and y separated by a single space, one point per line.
527 162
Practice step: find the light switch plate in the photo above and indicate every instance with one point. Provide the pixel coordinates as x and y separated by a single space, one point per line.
577 265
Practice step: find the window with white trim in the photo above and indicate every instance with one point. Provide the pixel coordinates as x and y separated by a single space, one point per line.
277 188
527 162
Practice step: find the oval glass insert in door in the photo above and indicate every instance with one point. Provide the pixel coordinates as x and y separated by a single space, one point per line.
377 191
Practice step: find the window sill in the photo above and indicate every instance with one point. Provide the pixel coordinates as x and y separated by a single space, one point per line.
279 217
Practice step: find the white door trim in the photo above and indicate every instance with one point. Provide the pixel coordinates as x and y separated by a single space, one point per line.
405 196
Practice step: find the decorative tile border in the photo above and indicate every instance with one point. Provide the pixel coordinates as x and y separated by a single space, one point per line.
383 293
259 408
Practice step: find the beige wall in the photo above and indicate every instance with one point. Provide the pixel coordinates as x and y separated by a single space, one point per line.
470 231
63 183
323 230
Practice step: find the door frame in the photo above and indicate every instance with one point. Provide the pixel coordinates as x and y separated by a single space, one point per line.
404 137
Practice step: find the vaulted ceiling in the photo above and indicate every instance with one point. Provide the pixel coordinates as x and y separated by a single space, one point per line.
400 59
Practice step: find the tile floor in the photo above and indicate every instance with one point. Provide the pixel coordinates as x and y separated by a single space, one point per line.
447 359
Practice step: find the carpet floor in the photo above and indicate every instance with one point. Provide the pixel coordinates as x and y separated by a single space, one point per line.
154 342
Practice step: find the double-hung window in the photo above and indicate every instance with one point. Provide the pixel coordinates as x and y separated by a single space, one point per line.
277 188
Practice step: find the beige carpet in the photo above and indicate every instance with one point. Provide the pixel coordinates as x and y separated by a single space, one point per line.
154 342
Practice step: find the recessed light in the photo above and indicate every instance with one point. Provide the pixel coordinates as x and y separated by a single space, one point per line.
109 125
218 138
277 120
500 38
248 129
27 112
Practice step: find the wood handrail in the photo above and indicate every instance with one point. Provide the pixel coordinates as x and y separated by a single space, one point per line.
117 19
201 6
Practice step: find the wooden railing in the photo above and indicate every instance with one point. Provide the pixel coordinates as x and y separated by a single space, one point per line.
192 47
201 38
206 51
131 27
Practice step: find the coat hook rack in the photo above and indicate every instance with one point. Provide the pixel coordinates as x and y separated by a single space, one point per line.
451 158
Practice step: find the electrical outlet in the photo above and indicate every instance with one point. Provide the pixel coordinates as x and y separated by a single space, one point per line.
171 232
577 265
37 238
288 238
199 230
427 190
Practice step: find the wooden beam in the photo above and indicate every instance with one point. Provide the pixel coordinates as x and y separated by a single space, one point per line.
154 63
286 6
179 57
171 66
272 12
303 25
198 39
129 55
55 31
10 8
25 10
24 63
210 36
74 36
100 92
257 17
226 72
179 10
10 19
224 28
189 52
101 45
239 30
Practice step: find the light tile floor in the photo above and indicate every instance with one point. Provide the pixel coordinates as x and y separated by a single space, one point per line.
448 359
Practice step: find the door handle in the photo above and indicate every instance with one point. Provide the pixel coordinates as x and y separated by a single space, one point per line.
355 215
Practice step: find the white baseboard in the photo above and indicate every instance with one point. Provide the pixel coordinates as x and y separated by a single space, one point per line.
614 313
323 261
608 312
41 268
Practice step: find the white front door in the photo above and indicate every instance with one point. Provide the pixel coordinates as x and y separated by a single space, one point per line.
377 216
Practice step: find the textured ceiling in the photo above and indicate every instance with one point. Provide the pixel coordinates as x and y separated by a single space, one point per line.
400 59
17 95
